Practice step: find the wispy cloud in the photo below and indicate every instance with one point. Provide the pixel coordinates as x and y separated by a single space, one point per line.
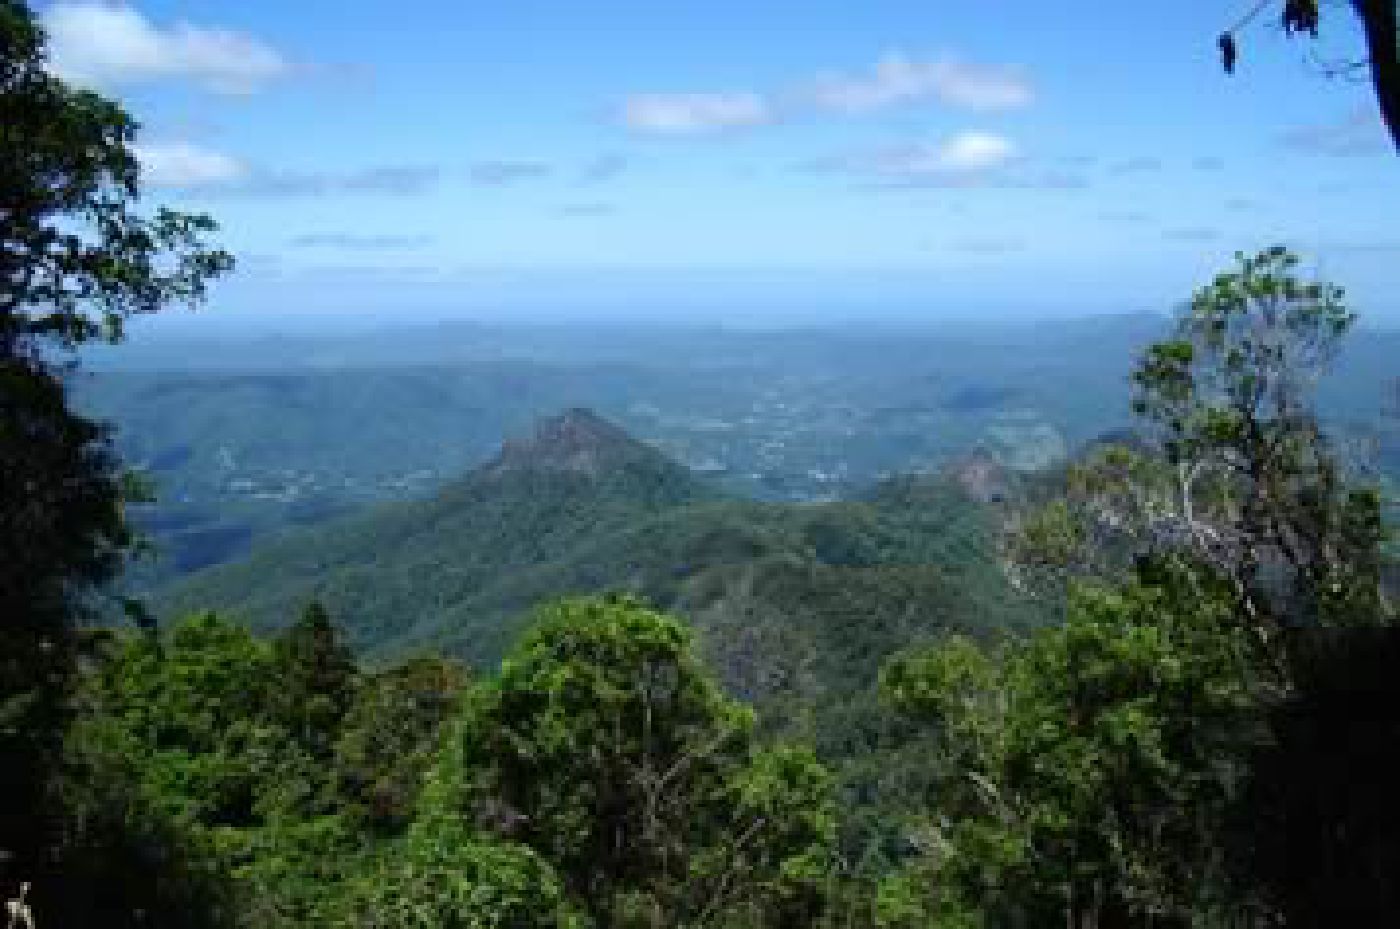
1191 234
895 79
397 180
967 159
100 44
1127 217
1358 135
1142 164
186 165
351 241
501 172
604 168
898 79
987 246
191 169
597 208
965 152
695 114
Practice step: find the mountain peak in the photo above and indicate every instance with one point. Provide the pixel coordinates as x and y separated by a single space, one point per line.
577 440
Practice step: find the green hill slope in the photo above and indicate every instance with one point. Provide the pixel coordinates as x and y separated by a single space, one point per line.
797 604
580 507
392 568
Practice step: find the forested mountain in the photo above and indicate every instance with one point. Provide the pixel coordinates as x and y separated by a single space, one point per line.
795 606
581 507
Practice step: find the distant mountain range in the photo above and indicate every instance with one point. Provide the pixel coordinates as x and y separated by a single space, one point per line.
243 439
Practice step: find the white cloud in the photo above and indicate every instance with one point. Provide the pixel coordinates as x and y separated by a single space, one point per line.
694 114
100 44
967 153
966 160
899 79
189 168
181 165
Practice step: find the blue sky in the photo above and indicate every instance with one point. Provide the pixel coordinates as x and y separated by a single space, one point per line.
739 160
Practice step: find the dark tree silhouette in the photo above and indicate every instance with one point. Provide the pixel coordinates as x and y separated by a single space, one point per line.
77 259
1380 20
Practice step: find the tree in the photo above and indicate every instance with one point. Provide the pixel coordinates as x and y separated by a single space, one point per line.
1234 514
444 877
1090 770
1380 20
389 738
76 260
1234 473
193 716
606 748
315 680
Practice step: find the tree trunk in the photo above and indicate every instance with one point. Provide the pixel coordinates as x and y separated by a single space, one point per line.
1383 47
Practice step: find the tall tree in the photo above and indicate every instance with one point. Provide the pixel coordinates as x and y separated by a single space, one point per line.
1235 473
77 258
1234 514
606 748
390 736
314 680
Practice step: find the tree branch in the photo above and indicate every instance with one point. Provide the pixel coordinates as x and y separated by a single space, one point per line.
1379 18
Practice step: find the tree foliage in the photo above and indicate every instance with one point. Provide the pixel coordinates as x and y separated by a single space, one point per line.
77 258
1165 756
1236 474
606 748
1090 769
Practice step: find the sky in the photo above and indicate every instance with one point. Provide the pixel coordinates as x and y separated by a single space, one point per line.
742 161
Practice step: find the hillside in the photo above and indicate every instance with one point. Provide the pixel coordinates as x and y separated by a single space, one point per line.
796 602
390 569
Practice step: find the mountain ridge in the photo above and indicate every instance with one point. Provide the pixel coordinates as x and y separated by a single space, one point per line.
577 439
578 506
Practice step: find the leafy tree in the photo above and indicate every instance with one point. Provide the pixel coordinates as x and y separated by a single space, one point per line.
61 532
315 680
76 259
197 716
1236 474
1089 770
390 736
191 704
444 877
1380 20
1230 547
606 748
